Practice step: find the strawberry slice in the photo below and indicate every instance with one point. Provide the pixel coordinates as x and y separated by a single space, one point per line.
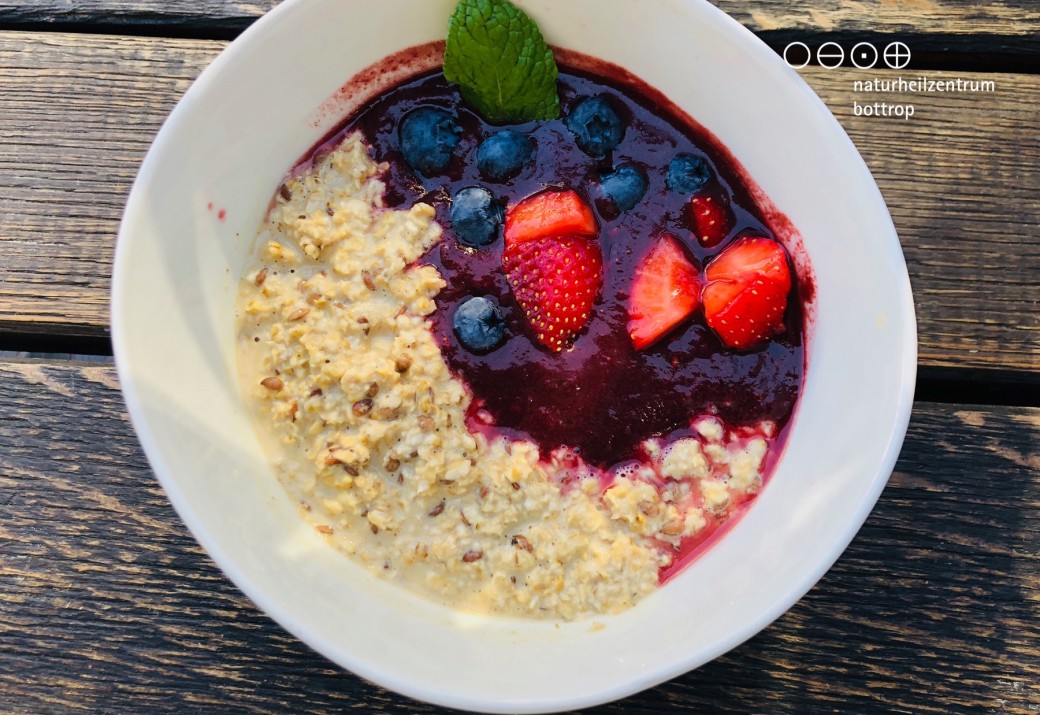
556 280
746 291
664 293
712 218
549 213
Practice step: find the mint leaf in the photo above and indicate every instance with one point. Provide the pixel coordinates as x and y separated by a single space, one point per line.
497 56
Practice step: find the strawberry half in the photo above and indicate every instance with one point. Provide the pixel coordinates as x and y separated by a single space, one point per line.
664 293
555 280
712 218
549 213
746 291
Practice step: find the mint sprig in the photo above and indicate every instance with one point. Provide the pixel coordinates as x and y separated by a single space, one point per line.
498 58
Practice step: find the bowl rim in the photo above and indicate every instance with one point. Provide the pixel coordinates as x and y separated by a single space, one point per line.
389 679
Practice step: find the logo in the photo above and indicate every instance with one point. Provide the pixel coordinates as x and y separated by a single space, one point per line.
864 55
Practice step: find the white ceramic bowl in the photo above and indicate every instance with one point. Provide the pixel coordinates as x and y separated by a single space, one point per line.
221 154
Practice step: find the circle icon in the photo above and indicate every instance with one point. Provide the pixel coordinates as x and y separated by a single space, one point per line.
864 55
830 55
802 49
897 55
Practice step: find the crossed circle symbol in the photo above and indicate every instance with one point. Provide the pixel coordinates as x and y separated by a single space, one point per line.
897 55
830 55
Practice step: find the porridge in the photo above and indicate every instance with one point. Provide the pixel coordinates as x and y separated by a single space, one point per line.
531 375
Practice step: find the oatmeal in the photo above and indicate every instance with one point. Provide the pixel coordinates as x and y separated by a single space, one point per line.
371 432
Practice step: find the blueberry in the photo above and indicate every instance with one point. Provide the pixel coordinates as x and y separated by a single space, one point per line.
625 187
501 156
688 174
428 139
596 126
478 324
475 216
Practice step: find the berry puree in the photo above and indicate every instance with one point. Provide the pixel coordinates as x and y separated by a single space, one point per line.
601 397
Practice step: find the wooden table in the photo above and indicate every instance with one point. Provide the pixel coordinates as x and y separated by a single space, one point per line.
107 604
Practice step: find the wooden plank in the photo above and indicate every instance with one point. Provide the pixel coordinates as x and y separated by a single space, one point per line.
961 178
108 604
205 18
956 22
77 115
962 181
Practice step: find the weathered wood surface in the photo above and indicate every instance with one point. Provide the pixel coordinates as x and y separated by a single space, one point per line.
107 605
77 115
963 24
204 16
77 112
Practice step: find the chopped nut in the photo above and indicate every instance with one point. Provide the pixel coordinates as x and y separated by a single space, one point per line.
299 314
649 508
362 407
322 529
426 423
285 192
673 527
351 470
273 383
437 510
392 464
521 541
362 320
373 389
260 277
366 278
403 363
316 392
472 555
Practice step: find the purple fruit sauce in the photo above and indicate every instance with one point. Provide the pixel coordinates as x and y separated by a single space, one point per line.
601 397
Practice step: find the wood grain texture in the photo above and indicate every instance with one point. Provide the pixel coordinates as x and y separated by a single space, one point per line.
961 178
76 118
1008 21
108 605
198 17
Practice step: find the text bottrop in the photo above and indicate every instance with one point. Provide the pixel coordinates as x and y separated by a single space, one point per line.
882 109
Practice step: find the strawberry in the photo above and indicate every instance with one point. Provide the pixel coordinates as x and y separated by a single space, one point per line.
550 213
712 218
665 291
555 280
746 291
